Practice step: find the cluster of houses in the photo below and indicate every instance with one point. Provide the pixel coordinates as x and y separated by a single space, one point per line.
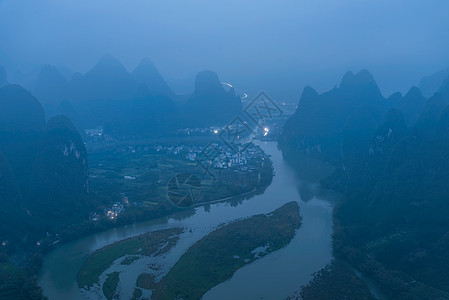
215 155
94 132
117 208
199 131
113 212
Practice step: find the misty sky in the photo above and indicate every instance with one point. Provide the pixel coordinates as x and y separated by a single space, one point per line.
279 46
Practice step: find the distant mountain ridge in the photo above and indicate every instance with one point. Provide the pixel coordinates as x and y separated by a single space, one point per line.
147 74
432 83
210 103
51 87
411 104
321 120
134 104
392 171
444 89
107 80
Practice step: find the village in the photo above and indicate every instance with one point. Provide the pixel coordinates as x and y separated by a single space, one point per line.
218 156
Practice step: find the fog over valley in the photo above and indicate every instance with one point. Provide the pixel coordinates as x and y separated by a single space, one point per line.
275 46
224 150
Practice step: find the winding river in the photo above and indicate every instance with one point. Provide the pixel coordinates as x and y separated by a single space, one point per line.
275 276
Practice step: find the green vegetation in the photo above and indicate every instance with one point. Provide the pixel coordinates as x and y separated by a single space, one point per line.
147 192
335 281
218 255
46 194
392 169
151 171
393 224
108 166
110 285
153 243
137 294
146 281
15 284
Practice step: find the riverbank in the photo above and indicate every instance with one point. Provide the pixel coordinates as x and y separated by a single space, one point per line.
335 281
218 255
292 266
152 243
126 189
208 262
362 269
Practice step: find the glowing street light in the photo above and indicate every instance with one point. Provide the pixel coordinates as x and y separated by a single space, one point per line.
266 130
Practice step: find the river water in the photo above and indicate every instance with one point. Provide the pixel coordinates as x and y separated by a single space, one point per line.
274 276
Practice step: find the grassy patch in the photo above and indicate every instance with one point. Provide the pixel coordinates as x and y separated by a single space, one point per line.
14 284
152 171
146 281
217 256
110 285
148 244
